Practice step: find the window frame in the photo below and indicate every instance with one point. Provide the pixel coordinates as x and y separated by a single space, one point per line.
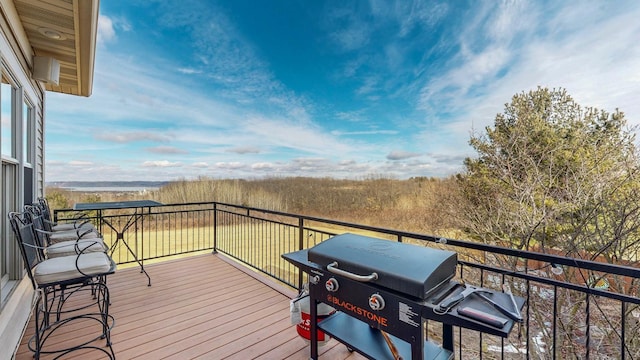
28 131
11 180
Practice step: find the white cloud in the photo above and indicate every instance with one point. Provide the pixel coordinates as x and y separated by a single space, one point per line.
106 31
349 31
369 85
475 70
499 49
510 19
189 71
352 116
364 132
244 150
80 163
263 166
108 26
301 137
161 163
166 150
230 165
412 14
594 63
401 155
57 171
353 37
129 137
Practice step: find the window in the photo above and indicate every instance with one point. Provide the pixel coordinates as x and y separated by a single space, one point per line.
28 150
28 131
6 100
8 183
6 248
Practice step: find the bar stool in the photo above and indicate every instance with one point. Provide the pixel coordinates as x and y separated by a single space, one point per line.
57 281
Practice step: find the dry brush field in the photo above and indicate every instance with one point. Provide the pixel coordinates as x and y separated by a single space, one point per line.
425 205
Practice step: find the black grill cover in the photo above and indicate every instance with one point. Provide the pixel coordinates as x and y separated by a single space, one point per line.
409 269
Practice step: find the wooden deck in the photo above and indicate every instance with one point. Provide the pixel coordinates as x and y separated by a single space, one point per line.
200 307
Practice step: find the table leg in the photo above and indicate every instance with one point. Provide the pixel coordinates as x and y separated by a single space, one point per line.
120 236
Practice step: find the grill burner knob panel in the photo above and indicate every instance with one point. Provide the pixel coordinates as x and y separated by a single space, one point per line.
332 285
376 302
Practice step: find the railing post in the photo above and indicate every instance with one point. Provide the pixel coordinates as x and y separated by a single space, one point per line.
215 228
300 233
300 247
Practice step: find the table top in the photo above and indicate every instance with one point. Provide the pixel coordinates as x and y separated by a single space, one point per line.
116 205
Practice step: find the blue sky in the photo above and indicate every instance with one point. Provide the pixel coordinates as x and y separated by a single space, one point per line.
344 89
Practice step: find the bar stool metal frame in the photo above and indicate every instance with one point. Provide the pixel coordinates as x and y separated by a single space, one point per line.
80 220
58 280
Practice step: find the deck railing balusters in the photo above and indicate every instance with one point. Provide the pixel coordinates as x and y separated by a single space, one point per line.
258 237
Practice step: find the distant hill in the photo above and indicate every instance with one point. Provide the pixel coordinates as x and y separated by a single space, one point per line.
106 184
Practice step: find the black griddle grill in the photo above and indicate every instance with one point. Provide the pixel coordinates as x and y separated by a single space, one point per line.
384 286
411 270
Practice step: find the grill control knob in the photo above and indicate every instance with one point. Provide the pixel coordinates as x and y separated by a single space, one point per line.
376 302
332 285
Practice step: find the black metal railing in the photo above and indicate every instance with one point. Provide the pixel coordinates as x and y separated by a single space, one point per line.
589 309
155 232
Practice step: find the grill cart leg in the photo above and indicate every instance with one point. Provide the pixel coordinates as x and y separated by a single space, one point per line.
313 314
447 337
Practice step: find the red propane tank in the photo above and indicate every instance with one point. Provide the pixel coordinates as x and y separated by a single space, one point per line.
304 326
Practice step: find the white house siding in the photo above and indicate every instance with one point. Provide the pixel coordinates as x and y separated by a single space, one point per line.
18 295
38 167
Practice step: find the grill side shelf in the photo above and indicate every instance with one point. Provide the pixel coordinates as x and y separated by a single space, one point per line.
473 302
369 341
299 259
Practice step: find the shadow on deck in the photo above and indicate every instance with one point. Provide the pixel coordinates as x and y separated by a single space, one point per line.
198 307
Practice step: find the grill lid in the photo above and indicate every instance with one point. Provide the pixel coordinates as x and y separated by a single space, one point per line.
409 269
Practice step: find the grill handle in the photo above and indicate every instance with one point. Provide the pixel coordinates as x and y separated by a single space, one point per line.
333 268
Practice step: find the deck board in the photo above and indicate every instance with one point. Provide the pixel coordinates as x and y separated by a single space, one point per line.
199 307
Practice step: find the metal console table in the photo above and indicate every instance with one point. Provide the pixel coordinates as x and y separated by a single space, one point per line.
136 218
